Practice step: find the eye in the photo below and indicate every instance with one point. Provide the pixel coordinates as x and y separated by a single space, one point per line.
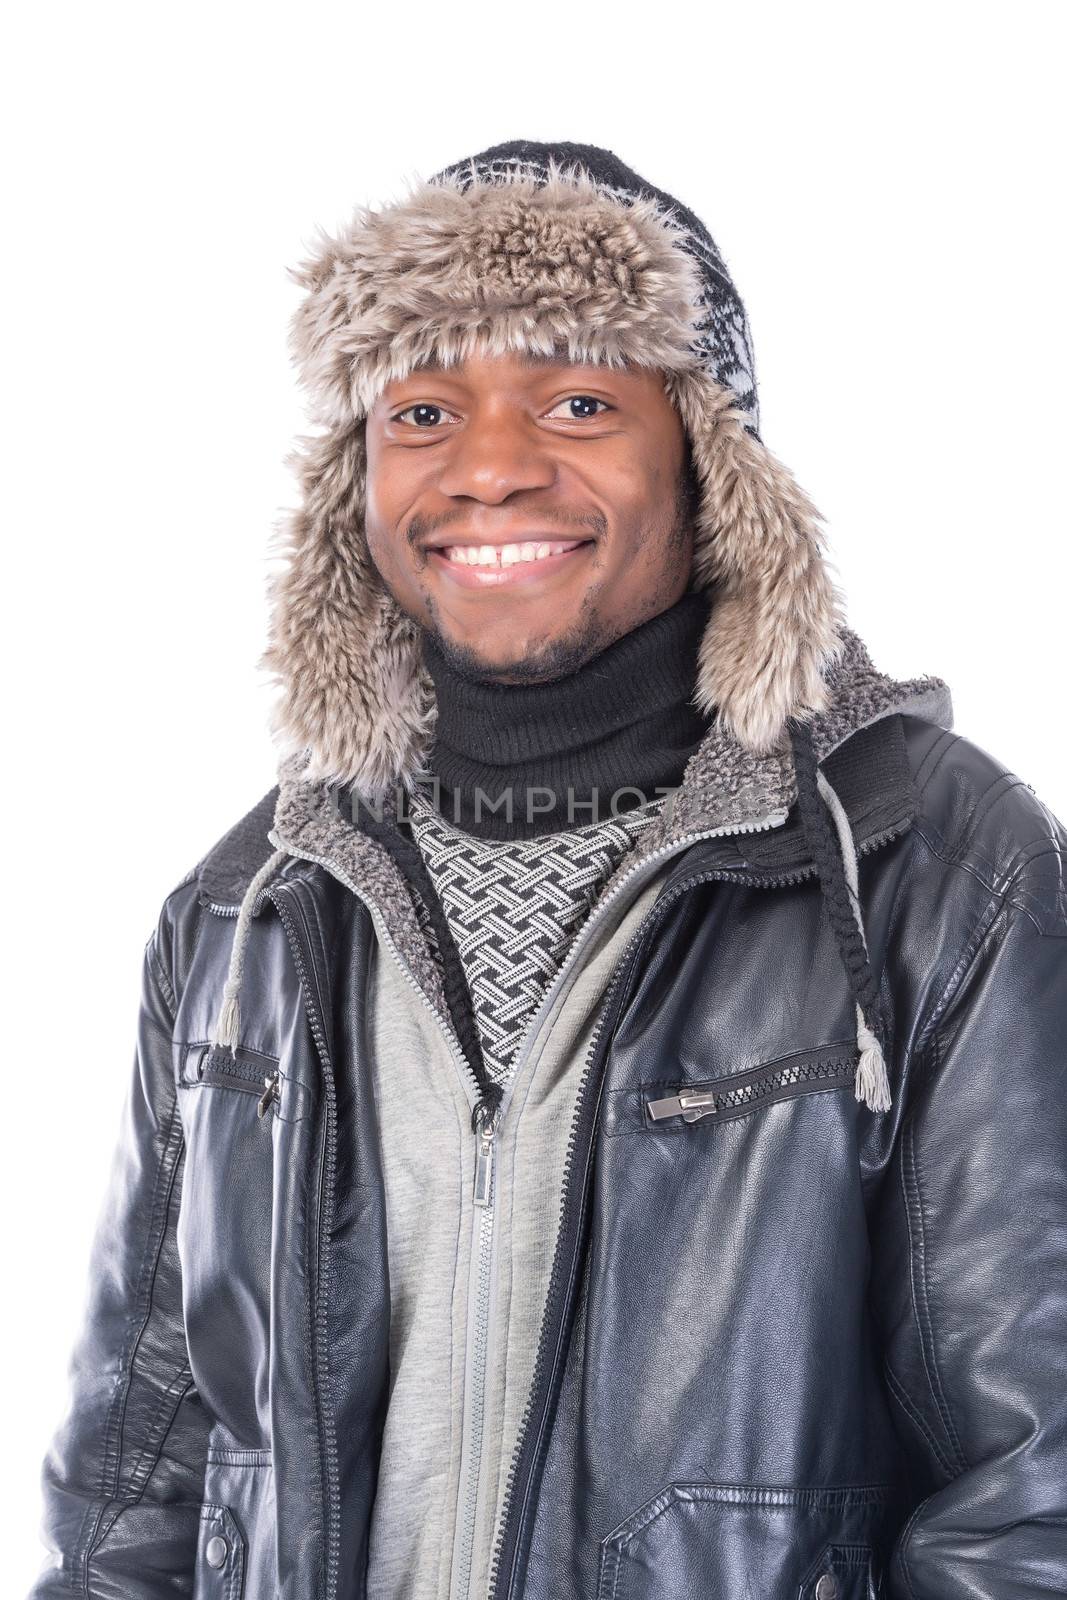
423 415
580 404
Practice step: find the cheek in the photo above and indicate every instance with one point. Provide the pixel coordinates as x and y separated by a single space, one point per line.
394 564
384 505
632 480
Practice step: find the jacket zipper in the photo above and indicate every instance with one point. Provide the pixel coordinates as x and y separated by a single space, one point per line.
300 944
266 1087
270 1093
761 1086
692 1104
526 1458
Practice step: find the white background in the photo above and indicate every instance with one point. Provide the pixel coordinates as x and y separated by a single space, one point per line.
886 186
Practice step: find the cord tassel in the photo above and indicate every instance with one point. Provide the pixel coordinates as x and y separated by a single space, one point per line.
229 1024
872 1081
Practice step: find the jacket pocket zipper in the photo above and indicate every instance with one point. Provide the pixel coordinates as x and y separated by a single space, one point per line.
693 1102
270 1093
265 1086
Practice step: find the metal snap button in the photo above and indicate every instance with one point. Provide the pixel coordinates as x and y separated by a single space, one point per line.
217 1551
827 1587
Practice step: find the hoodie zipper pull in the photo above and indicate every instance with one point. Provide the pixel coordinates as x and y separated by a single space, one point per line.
270 1093
483 1156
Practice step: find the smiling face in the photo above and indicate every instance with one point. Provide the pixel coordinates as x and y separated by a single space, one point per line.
529 511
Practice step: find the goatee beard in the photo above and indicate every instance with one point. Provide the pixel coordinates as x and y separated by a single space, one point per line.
557 658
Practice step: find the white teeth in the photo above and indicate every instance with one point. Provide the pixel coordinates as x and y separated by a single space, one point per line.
505 555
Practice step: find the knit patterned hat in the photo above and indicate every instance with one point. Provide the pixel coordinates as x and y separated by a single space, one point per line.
540 248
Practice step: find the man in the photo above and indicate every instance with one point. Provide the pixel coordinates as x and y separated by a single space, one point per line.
598 1125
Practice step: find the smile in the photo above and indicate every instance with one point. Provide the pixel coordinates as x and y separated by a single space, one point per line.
478 565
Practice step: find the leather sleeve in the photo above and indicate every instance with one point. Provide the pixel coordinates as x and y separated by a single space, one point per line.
969 1260
123 1477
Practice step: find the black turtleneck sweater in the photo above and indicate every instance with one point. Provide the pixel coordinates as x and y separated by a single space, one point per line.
620 728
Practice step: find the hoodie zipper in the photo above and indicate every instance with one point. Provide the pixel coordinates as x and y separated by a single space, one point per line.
515 1511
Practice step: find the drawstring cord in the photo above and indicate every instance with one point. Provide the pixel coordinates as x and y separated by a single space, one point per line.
839 883
228 1025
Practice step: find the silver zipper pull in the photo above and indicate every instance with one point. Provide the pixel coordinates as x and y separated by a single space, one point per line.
483 1157
692 1104
270 1093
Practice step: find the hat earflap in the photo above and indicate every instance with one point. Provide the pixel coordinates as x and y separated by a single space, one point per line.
776 621
346 657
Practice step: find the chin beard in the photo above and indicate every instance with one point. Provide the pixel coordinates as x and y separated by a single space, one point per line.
556 658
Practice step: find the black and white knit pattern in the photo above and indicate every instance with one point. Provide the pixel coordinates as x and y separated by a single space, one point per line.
513 907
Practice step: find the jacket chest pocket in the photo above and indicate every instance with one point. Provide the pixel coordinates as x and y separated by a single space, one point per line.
674 1106
720 1541
722 1099
241 1071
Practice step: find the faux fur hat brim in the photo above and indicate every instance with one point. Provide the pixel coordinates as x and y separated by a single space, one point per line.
510 263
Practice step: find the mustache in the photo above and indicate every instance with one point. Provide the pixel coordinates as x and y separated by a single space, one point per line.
594 523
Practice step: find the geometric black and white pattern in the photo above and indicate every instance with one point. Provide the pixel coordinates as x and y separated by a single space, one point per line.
513 907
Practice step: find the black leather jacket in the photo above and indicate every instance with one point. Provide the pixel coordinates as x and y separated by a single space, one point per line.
791 1348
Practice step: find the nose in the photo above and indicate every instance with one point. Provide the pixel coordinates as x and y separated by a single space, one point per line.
496 456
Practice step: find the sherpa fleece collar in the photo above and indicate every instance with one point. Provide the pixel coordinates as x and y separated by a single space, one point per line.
518 250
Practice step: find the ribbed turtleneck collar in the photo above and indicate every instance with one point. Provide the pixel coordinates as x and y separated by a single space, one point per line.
578 749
